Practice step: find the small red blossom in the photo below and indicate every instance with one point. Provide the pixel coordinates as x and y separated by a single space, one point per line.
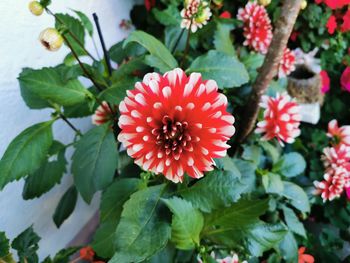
102 114
294 36
345 27
226 14
149 4
304 258
326 82
281 119
174 124
287 64
87 253
125 24
332 24
345 79
257 28
340 135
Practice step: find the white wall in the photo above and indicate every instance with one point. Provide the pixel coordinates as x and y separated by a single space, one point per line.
19 47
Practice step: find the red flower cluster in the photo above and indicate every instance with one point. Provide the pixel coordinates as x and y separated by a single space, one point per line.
175 124
281 119
257 27
345 79
336 160
334 4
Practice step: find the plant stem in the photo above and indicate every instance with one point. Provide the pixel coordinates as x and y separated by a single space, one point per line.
71 34
178 40
187 45
106 56
269 69
70 124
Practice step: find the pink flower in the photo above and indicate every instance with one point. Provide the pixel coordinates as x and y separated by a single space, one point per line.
287 64
281 119
326 82
341 135
175 124
336 157
331 24
345 79
102 114
257 27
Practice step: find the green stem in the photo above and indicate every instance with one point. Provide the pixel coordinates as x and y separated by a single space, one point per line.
187 45
64 118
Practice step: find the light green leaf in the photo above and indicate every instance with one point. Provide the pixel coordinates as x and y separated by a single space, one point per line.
293 222
85 21
160 56
296 196
222 39
26 153
186 225
289 248
226 70
94 161
47 85
65 206
271 151
104 237
172 34
253 61
142 232
290 165
252 153
49 173
169 16
273 183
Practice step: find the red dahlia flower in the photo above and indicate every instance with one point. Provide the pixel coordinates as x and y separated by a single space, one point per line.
335 157
287 64
345 79
175 124
281 119
102 114
257 27
341 135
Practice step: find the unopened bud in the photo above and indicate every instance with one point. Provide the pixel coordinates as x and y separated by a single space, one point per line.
264 2
36 8
303 4
51 39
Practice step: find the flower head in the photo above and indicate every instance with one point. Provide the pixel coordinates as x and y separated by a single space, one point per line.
87 253
257 28
149 4
226 15
281 119
287 64
175 124
102 114
335 157
304 258
51 39
195 15
36 8
345 79
326 82
331 24
340 135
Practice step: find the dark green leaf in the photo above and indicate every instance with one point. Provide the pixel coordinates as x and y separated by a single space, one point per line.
226 70
290 165
293 222
86 22
4 245
26 245
186 225
252 62
104 237
169 16
26 152
271 151
160 56
66 206
273 183
116 52
49 173
252 153
82 109
289 248
117 92
94 161
142 232
296 196
62 256
222 39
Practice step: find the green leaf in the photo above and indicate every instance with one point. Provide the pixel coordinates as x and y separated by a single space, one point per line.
253 61
49 173
228 165
25 153
83 109
114 197
117 92
222 39
296 196
221 189
26 245
160 56
290 165
289 248
252 153
172 34
142 232
186 225
4 245
273 183
48 85
169 16
94 161
104 237
293 222
65 206
86 22
271 151
117 53
62 256
226 70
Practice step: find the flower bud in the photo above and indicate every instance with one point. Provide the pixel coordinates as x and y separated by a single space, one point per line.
264 2
36 8
51 39
303 4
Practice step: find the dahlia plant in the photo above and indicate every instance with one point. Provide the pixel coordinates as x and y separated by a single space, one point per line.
198 151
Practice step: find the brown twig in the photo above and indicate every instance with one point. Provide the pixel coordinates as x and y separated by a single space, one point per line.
269 69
